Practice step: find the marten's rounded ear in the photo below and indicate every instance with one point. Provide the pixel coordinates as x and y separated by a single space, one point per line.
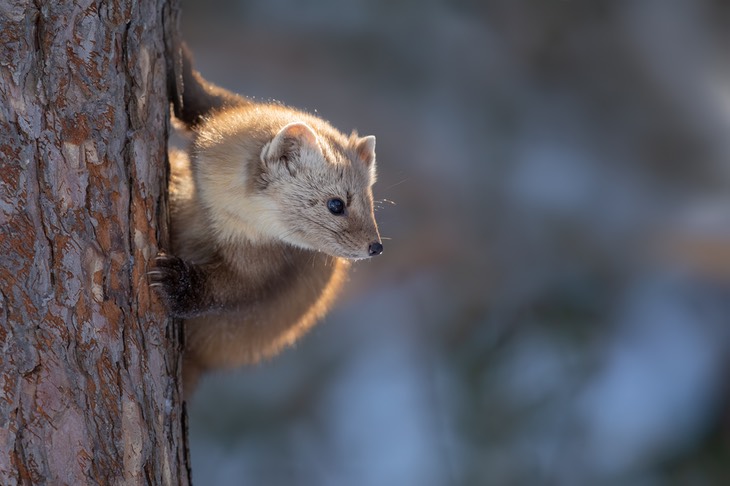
365 149
299 132
288 143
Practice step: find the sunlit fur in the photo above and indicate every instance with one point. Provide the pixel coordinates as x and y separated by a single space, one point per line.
231 167
250 203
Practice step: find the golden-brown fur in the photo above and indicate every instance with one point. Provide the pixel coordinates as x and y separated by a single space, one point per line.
292 287
258 251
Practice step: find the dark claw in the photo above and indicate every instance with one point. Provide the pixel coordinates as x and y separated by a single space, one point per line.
177 283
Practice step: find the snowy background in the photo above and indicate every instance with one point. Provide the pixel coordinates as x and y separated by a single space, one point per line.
553 304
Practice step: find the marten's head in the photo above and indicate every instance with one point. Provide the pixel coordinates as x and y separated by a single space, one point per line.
321 190
309 188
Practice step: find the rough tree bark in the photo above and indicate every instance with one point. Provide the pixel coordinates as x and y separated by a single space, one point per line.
89 365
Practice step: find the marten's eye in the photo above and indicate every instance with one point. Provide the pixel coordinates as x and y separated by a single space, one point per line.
336 205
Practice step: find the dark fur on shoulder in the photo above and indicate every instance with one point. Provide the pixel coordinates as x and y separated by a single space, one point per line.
196 98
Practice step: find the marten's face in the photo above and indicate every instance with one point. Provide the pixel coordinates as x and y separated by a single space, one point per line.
321 193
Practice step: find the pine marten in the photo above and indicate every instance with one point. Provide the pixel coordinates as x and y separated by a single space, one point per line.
267 209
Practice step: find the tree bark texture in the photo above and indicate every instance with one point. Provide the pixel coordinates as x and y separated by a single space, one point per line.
89 364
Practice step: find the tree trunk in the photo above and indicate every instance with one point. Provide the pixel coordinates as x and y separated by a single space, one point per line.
90 365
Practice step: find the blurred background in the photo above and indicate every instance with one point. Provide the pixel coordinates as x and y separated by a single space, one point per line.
553 304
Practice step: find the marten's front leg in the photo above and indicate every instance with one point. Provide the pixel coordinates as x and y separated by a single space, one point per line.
191 290
181 286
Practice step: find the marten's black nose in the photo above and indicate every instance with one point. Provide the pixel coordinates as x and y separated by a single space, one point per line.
376 248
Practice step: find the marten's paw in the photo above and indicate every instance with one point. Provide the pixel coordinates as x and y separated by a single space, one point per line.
178 284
